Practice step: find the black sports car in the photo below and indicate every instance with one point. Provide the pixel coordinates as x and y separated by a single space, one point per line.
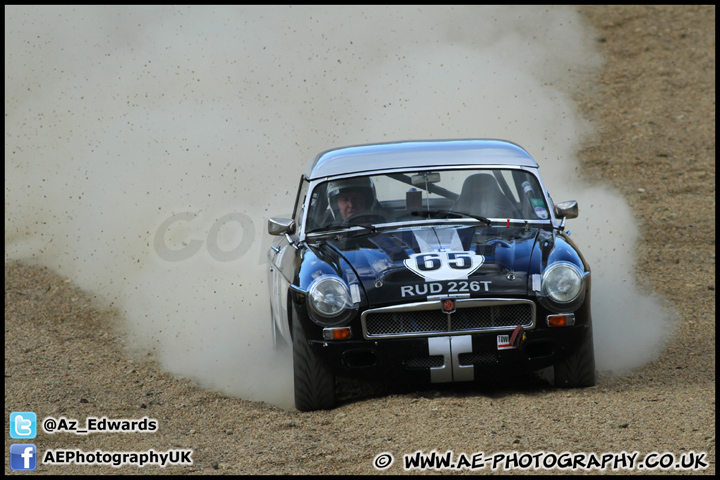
428 261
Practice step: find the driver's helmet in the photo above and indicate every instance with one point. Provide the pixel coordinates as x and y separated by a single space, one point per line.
364 184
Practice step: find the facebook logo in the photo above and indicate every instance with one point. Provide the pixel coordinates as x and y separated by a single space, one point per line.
23 456
23 425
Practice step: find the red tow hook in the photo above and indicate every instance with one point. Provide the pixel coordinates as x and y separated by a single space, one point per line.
517 337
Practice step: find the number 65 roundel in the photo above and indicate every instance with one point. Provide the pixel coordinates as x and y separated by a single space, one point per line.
444 265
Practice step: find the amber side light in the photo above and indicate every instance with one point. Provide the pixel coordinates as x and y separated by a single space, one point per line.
341 333
561 320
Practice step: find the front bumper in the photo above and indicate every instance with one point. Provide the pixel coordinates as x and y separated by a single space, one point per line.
453 358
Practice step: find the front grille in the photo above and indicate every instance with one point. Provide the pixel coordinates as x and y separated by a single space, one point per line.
489 317
404 322
428 319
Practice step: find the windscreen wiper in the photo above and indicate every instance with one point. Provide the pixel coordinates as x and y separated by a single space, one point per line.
367 226
449 213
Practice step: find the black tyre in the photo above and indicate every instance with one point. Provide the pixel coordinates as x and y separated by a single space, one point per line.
314 385
578 370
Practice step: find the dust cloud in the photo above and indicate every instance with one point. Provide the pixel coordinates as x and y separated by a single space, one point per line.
146 146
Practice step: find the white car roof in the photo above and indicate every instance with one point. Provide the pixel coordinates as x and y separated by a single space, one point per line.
419 154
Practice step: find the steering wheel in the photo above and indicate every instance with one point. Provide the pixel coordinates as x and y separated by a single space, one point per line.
365 217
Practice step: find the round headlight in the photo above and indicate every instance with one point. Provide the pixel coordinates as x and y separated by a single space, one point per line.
329 296
562 282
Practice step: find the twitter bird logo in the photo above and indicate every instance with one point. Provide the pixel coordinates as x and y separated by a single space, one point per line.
23 425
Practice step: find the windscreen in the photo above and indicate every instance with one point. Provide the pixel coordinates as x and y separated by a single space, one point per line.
496 194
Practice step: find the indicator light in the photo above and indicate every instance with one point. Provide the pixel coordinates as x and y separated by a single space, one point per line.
561 320
340 333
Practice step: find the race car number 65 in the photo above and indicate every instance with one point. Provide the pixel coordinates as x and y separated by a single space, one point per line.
444 265
431 261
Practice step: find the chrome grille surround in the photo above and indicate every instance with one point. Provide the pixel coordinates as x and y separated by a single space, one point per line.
426 319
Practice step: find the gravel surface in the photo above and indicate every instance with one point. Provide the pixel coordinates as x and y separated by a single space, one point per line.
654 113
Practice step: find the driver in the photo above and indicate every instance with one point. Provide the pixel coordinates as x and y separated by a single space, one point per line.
351 196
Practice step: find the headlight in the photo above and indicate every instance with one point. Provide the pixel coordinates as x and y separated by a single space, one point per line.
329 298
562 282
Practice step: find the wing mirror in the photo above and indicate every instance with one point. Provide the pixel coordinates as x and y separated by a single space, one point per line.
281 226
567 209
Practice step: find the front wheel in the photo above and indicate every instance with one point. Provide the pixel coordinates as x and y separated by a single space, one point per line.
578 370
314 385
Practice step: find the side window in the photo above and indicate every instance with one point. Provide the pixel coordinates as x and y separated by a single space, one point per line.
300 202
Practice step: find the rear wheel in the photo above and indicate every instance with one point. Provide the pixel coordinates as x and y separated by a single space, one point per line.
314 385
578 370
